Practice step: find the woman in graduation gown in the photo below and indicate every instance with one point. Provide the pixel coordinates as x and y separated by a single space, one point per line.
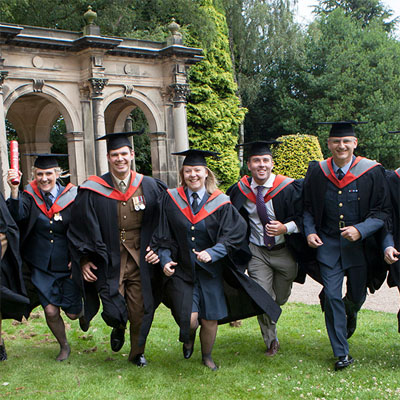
42 212
198 228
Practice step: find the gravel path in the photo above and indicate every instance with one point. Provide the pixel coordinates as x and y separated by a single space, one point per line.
385 299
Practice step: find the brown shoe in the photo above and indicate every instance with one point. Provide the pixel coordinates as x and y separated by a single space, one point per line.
273 348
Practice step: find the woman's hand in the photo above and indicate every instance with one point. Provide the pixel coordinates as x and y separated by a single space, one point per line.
151 257
169 268
87 273
202 256
11 175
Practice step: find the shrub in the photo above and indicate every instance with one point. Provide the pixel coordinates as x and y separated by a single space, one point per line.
292 156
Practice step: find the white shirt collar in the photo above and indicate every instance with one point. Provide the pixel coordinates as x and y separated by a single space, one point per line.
267 184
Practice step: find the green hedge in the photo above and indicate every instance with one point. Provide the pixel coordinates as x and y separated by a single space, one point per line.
292 156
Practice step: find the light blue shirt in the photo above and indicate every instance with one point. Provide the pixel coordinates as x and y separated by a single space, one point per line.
345 169
53 192
200 193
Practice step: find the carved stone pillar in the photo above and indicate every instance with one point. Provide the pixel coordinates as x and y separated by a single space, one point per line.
88 136
159 159
180 92
76 154
99 127
4 165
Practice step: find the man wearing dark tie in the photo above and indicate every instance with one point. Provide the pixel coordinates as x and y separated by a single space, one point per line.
271 205
346 202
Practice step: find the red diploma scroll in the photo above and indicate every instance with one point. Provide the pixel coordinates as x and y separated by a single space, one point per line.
14 158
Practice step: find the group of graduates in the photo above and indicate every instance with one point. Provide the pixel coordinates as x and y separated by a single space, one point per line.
125 240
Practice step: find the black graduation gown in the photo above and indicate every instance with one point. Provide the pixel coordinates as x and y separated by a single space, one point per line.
244 297
287 207
394 187
26 215
94 235
373 202
13 300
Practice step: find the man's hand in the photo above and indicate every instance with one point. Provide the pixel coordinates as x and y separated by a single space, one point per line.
151 257
391 255
350 233
202 256
314 241
169 268
87 273
275 228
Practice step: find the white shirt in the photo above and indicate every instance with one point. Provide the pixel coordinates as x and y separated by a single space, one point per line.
256 227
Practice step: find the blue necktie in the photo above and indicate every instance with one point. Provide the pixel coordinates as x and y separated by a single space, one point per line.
262 213
340 174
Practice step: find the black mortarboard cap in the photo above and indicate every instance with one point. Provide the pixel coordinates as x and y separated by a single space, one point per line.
342 128
117 140
394 132
46 160
196 157
258 148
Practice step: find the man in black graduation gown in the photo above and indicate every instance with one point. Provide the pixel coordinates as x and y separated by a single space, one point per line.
391 242
271 205
346 202
109 233
13 300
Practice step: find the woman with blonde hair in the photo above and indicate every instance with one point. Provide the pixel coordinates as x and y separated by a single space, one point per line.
198 228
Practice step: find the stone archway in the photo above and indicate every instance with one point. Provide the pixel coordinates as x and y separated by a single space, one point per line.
93 81
32 115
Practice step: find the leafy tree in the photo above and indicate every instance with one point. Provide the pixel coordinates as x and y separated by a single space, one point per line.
267 49
364 11
214 113
354 74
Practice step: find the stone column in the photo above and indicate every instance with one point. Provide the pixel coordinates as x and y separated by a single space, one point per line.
88 136
76 154
99 127
4 165
180 92
128 127
158 146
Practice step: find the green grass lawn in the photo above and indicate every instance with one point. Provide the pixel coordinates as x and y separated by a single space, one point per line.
303 368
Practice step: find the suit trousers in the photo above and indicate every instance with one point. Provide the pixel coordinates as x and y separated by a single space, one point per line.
337 308
274 271
130 287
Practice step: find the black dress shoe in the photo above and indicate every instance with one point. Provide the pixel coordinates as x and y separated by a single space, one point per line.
139 360
84 324
117 339
343 362
187 352
351 324
3 354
